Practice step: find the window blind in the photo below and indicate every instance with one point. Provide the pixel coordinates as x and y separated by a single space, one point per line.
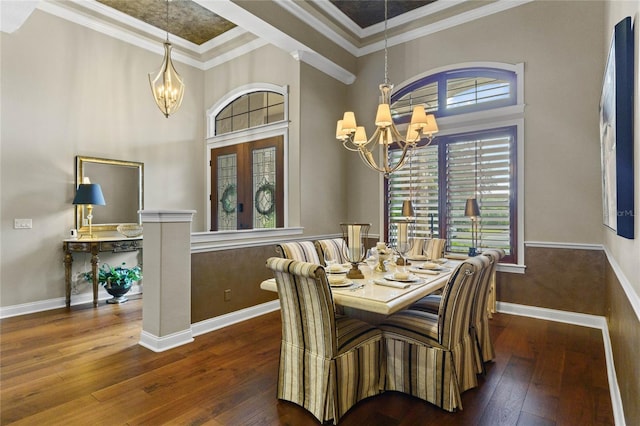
418 181
479 167
439 179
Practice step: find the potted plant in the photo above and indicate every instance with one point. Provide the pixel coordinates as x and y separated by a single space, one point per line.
117 280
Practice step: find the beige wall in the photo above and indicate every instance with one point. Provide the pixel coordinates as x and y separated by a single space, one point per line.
67 91
265 65
563 74
325 190
623 285
316 162
627 252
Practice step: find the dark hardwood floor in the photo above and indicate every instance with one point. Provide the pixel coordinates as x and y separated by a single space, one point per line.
83 366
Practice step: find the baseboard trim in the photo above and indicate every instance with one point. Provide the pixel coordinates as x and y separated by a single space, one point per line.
225 320
586 320
164 343
59 302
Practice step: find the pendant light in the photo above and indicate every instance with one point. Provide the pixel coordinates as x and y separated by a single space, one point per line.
167 85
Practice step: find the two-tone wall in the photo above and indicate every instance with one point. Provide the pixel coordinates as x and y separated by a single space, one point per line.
72 91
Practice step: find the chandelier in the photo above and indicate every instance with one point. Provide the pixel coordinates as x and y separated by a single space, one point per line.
167 85
354 137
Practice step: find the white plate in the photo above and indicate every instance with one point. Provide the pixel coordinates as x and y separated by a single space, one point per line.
345 283
410 279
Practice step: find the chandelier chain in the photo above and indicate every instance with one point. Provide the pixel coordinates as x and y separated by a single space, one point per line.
167 21
386 75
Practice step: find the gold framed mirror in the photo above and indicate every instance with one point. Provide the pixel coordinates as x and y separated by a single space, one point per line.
122 185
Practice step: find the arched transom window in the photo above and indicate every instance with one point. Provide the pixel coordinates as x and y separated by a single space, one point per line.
247 132
480 114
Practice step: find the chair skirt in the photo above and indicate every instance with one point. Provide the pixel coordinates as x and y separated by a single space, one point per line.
484 338
426 372
327 387
467 355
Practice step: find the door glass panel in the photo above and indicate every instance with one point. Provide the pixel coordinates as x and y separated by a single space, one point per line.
264 187
227 188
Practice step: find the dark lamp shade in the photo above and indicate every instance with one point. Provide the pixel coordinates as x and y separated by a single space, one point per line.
472 209
407 209
89 193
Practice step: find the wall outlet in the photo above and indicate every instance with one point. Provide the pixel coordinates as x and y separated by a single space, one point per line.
227 295
22 224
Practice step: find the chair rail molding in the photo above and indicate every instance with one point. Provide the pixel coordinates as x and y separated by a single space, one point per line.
563 245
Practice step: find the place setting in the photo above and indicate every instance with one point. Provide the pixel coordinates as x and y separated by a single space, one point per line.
399 279
431 267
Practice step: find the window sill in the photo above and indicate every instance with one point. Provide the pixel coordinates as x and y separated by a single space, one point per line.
225 240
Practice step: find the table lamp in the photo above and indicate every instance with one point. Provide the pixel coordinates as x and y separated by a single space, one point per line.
472 211
89 194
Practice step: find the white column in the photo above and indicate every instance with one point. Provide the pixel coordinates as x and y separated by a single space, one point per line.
166 304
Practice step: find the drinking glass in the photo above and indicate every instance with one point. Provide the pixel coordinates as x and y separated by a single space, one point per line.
372 258
403 248
328 260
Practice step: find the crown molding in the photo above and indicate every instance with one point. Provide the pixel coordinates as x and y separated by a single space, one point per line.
459 19
14 13
397 21
325 65
145 36
151 42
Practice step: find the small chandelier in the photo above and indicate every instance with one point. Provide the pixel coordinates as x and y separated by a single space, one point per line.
167 85
354 137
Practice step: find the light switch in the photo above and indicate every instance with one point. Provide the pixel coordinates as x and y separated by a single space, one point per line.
22 224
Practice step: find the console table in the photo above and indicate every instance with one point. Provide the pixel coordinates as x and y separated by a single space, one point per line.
94 246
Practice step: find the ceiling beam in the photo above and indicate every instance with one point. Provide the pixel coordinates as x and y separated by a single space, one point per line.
267 20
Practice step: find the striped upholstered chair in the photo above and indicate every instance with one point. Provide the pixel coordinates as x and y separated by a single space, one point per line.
303 251
335 248
471 353
328 362
481 310
433 248
417 247
424 350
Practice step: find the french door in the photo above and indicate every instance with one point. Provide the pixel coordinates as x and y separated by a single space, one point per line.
247 185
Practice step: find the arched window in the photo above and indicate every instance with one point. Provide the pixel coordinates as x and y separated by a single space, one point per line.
246 144
250 110
475 155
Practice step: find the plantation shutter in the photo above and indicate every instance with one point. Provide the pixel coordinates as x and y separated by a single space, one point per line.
479 166
418 181
439 179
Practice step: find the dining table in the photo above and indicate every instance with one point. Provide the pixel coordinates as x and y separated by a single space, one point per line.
379 294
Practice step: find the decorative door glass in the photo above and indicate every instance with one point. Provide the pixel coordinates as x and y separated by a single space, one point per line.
227 188
264 187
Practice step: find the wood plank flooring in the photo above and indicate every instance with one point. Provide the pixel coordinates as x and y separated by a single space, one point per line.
83 366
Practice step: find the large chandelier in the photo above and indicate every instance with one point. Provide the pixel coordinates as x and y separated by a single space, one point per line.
354 137
167 85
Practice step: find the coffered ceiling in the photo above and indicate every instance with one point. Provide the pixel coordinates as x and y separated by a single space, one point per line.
191 21
326 34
